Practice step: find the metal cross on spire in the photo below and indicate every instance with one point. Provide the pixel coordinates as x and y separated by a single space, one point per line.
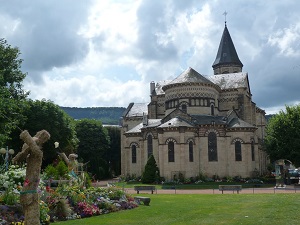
225 14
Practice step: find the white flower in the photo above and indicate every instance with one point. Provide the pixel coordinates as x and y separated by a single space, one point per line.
6 184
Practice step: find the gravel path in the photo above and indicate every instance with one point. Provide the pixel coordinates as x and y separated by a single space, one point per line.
287 189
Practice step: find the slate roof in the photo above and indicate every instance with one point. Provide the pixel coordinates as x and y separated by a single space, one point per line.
208 119
151 123
159 85
230 80
226 52
176 122
189 76
136 109
238 123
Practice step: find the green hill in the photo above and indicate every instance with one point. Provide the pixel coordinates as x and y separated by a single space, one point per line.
108 115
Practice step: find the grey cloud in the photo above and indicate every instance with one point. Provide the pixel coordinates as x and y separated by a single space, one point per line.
151 21
47 32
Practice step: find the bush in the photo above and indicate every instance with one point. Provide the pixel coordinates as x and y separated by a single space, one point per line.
50 172
60 171
151 172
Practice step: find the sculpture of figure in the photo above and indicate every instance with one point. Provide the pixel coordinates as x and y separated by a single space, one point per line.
71 162
32 153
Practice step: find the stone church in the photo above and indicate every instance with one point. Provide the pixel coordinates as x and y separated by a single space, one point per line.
197 124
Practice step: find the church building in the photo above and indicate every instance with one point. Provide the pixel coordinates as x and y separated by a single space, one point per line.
197 124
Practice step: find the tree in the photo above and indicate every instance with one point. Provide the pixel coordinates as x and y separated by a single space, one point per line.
12 95
114 154
93 147
49 116
283 135
151 172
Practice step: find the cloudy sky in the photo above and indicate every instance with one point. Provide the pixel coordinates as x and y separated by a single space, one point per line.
89 53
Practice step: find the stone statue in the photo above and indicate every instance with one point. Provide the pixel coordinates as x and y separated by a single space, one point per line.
32 153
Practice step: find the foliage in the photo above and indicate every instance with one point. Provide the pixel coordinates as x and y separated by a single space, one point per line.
44 210
283 134
62 169
93 147
114 154
12 95
58 171
13 177
11 214
50 172
108 115
71 202
10 196
47 115
151 172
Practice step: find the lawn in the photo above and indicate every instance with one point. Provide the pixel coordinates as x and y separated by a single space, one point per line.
205 209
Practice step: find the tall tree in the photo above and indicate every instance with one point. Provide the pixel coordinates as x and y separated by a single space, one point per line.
114 154
49 116
12 95
93 147
283 135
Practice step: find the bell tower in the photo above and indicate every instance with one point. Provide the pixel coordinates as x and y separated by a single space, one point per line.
227 60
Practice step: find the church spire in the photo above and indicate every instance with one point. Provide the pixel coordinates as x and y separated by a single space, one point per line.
227 60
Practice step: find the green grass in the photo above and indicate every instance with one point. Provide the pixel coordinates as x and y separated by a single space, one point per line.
195 209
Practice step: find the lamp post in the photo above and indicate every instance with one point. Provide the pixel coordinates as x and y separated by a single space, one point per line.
7 153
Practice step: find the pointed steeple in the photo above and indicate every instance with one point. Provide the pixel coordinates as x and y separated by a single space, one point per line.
227 60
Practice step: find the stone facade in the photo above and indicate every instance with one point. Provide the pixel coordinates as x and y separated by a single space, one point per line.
196 124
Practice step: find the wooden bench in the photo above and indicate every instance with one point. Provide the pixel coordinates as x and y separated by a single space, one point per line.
230 188
139 199
296 186
144 188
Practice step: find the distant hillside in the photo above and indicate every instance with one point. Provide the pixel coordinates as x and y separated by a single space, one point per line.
108 115
268 117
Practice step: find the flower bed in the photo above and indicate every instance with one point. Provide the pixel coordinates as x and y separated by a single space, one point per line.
64 203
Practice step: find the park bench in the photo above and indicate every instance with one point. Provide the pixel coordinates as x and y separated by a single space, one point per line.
139 199
296 186
144 188
230 188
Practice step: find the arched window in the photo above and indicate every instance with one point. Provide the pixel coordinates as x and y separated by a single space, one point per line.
191 151
238 151
149 145
133 154
212 147
171 153
184 108
252 150
212 109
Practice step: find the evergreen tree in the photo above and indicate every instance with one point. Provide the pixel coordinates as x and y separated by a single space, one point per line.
151 172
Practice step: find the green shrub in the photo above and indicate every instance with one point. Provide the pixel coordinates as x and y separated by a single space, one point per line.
62 169
50 172
151 172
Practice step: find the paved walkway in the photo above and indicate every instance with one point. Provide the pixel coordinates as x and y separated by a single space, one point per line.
287 189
